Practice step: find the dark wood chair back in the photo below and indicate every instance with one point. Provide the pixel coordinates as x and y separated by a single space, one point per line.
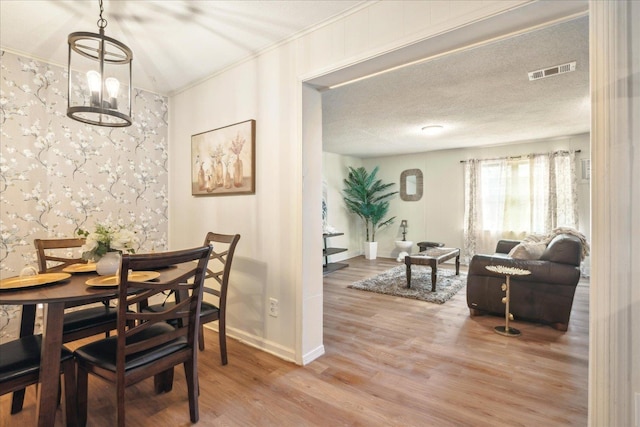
218 269
216 284
185 312
47 253
159 340
79 323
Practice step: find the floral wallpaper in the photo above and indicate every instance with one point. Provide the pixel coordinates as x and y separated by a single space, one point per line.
58 175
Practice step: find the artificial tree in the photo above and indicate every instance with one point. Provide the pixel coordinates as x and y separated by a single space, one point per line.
366 196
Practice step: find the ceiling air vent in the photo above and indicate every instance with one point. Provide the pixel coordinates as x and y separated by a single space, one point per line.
552 71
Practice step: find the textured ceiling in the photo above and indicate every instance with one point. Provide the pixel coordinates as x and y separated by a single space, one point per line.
174 43
482 96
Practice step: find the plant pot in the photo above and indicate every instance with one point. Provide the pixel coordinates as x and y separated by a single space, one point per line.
370 250
109 264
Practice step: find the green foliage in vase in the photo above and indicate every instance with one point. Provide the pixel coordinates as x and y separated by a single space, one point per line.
366 196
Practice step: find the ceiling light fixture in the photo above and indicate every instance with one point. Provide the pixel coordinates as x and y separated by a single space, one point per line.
432 129
102 95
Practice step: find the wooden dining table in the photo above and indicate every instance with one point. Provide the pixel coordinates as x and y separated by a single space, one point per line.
55 297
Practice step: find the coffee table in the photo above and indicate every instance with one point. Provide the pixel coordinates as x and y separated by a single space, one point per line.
432 257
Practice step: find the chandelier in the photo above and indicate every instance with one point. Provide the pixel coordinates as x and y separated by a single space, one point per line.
99 72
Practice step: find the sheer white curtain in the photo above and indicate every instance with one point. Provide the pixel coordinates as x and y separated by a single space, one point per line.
485 198
509 198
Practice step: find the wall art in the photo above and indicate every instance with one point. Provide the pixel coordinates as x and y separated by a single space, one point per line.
223 160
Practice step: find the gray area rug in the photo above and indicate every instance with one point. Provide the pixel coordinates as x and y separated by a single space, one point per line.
394 282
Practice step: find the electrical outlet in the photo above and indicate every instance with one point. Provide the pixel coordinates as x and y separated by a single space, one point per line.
273 307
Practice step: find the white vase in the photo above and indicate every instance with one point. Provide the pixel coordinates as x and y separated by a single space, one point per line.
370 250
109 264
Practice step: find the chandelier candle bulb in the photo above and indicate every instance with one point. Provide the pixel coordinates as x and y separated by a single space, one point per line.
113 87
93 80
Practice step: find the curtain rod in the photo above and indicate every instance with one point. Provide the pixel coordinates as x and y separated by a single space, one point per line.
523 155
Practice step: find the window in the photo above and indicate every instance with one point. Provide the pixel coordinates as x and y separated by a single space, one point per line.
513 197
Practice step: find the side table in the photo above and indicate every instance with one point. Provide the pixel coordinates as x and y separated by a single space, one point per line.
508 272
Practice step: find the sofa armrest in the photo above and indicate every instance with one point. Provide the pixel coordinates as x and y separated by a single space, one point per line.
478 264
504 246
541 271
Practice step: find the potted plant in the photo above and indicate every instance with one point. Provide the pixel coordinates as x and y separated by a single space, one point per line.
366 196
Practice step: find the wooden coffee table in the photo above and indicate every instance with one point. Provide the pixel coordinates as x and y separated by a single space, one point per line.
432 257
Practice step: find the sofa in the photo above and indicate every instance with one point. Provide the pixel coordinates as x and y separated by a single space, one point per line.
544 296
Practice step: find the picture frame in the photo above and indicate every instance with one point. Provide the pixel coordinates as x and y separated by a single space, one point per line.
411 185
223 160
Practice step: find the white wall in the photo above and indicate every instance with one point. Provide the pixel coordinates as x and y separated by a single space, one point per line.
335 169
614 321
309 298
269 249
268 89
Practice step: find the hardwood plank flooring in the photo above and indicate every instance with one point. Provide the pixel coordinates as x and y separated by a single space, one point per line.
389 362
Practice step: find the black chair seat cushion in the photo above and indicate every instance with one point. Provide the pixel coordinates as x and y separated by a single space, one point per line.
102 353
22 357
206 309
89 317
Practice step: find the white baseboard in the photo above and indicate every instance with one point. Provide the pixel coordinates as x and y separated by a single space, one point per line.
259 343
312 355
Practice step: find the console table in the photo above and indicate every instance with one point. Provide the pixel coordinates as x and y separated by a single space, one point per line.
329 267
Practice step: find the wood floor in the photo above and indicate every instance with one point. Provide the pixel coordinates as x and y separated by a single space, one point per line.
389 362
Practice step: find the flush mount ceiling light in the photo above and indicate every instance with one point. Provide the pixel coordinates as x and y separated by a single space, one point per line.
432 129
99 72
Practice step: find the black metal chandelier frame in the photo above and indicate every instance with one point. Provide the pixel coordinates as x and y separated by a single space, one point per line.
97 108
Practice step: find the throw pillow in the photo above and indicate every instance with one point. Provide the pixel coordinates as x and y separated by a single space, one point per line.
527 250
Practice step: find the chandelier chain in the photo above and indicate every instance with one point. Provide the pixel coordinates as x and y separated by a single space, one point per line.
102 23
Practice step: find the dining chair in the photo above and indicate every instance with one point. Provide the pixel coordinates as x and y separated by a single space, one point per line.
218 269
20 368
80 323
153 346
77 324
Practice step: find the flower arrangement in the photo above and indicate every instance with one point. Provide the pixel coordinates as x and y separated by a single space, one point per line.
107 239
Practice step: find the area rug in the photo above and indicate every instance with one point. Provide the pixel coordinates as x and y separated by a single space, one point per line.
394 282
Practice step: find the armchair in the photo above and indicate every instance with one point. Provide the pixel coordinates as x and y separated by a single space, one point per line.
545 296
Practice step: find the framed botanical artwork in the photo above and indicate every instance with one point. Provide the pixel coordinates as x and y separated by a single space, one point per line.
223 160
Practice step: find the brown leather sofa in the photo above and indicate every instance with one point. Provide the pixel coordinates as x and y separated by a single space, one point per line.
545 296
